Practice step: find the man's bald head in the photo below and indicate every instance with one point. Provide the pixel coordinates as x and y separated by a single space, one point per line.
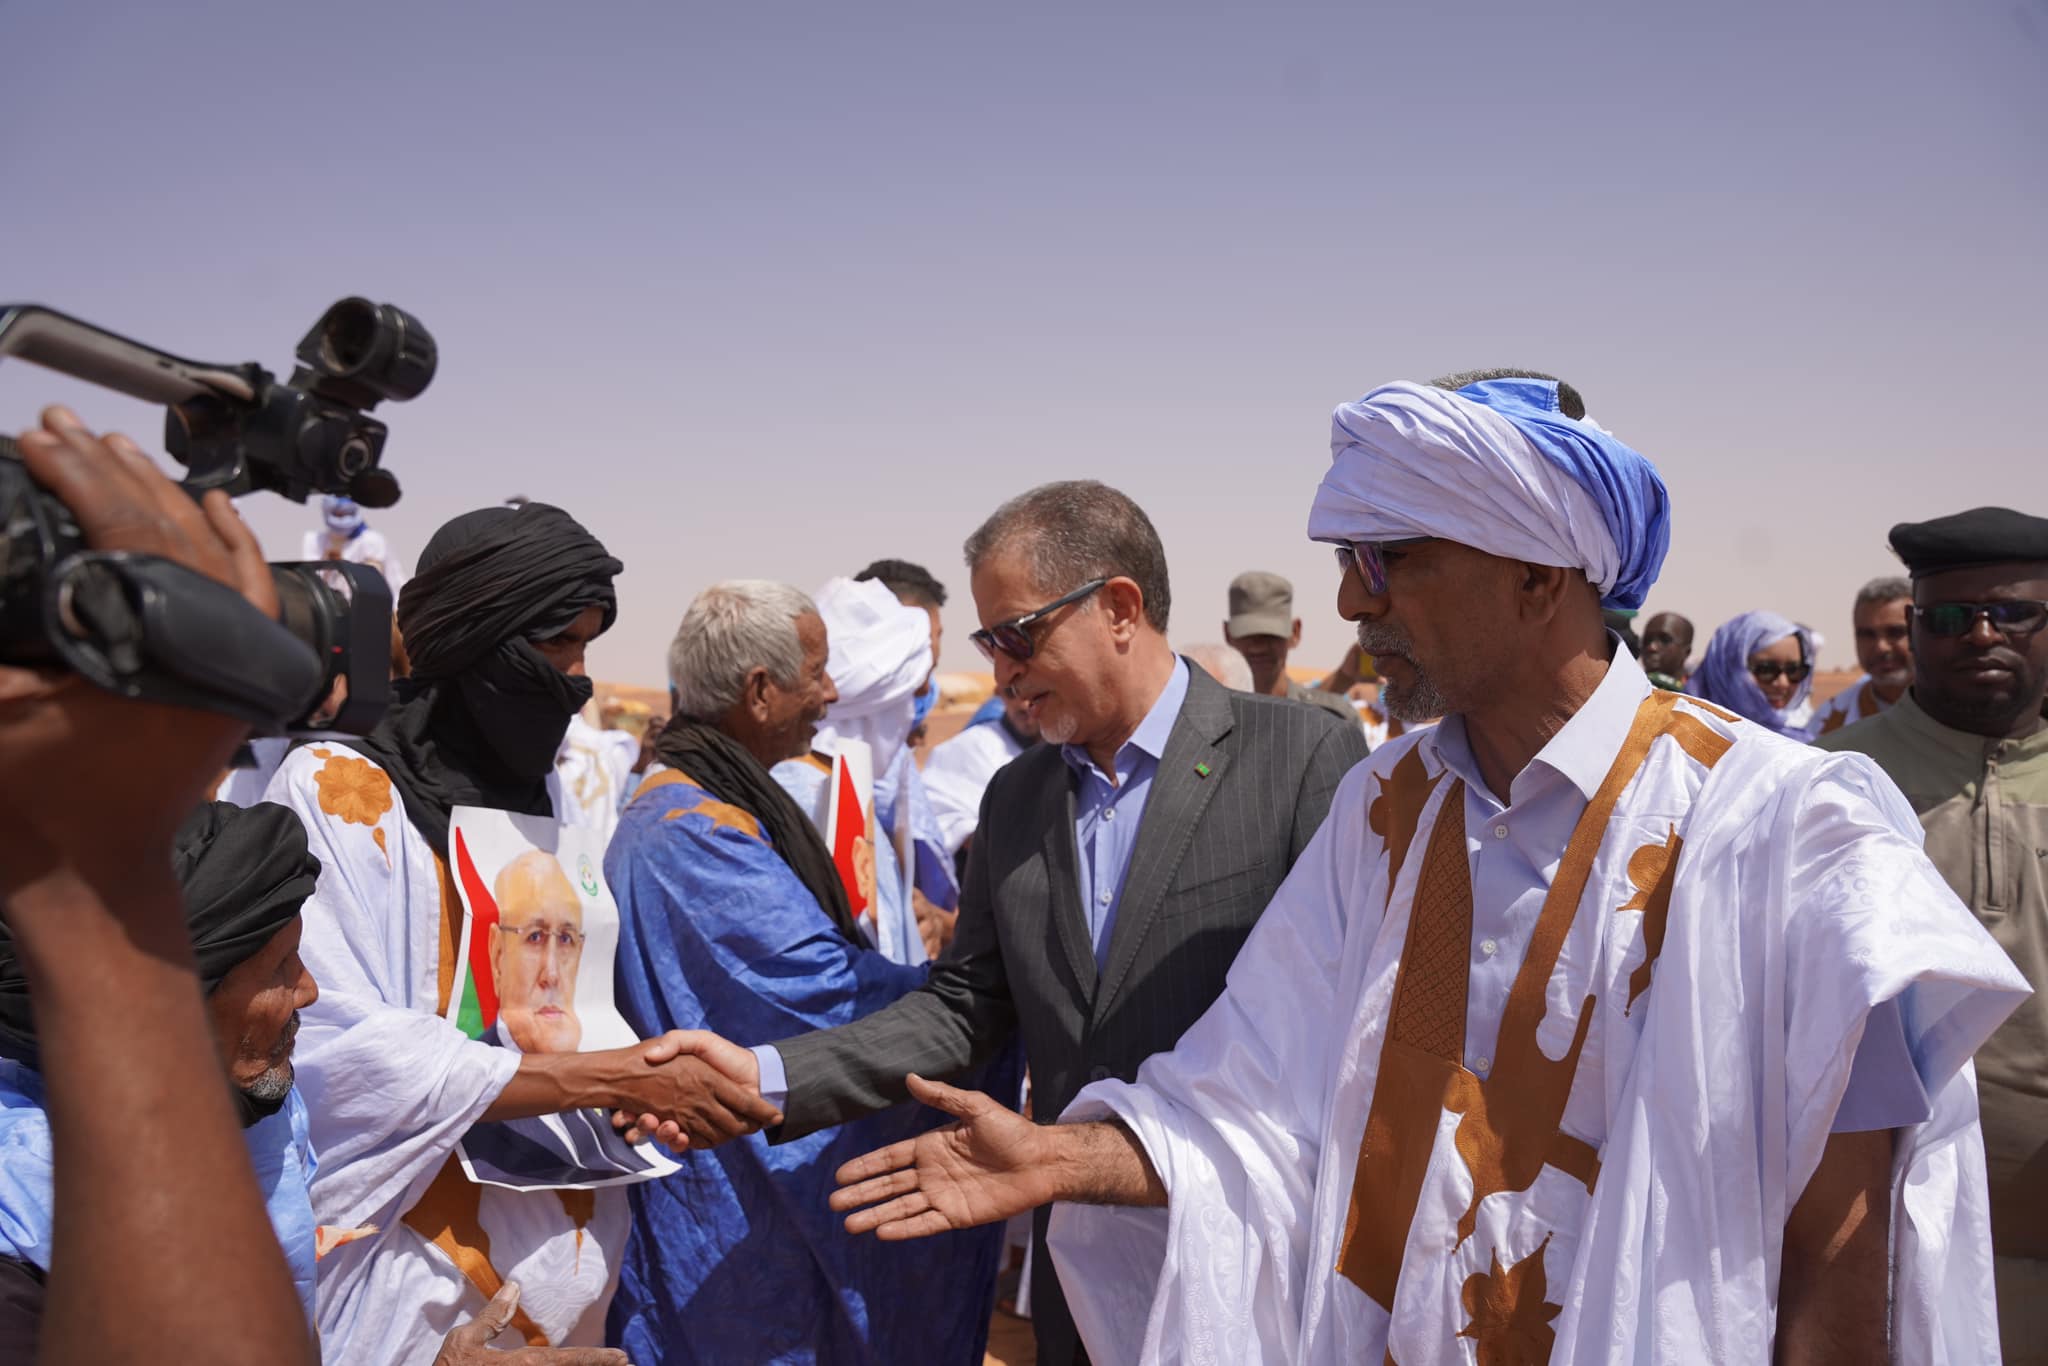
535 951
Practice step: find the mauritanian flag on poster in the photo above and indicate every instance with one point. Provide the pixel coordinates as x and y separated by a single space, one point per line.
533 974
849 826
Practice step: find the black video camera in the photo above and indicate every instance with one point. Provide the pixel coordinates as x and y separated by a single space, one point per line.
146 628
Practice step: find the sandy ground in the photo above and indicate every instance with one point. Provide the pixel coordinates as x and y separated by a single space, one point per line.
1010 1342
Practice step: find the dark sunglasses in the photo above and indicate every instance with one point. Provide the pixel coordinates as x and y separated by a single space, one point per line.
2016 617
1769 670
1013 637
1369 559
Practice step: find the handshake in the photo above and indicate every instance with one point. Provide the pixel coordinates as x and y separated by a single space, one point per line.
686 1089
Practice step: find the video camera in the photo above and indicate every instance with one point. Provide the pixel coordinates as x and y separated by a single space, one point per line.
146 628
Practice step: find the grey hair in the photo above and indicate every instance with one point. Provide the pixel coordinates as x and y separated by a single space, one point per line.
1889 589
1075 531
1221 663
732 629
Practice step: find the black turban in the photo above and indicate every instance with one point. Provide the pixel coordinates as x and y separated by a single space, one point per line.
1966 539
479 721
244 872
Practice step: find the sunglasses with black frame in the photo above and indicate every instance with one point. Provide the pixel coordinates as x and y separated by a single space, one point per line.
1013 637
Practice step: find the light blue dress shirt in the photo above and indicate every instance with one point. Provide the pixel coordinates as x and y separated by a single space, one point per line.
1108 809
1516 846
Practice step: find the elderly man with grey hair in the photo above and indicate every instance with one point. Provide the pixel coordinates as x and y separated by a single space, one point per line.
1884 648
733 917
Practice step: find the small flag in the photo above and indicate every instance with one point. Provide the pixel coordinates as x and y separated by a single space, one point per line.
1201 770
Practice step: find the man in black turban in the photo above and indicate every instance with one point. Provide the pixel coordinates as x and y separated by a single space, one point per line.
496 622
244 872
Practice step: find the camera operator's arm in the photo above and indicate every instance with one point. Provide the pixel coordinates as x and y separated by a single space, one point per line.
153 1190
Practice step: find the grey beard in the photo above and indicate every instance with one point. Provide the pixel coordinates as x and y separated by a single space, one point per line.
1417 701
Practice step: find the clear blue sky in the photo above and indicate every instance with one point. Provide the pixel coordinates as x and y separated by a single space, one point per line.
772 290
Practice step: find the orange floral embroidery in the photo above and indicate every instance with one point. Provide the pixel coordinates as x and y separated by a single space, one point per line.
355 791
1510 1321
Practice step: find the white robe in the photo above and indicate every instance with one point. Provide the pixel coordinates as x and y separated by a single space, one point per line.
1700 1103
594 775
957 773
392 1087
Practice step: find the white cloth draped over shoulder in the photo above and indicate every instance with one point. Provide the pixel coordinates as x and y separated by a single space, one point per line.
957 773
392 1087
1659 1096
594 774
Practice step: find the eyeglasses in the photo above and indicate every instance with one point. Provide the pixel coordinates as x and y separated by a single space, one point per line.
1369 558
2014 617
1769 671
1013 637
536 937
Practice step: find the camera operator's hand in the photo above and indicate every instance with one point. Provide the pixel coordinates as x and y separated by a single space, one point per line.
93 788
85 773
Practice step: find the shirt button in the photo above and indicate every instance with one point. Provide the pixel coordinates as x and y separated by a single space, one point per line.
1481 1064
1103 899
1110 814
1489 947
1500 832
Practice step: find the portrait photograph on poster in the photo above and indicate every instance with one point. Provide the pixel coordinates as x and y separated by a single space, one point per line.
539 933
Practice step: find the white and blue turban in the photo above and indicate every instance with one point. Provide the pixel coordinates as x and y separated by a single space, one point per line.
1498 467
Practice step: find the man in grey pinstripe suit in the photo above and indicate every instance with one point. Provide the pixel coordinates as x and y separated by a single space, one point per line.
1117 868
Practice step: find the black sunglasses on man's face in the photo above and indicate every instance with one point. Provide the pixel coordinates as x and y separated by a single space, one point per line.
1013 637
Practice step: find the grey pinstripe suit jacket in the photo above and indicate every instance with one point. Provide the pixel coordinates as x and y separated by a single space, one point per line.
1210 853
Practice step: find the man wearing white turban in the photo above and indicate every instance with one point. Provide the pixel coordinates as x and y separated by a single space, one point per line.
1597 1025
880 660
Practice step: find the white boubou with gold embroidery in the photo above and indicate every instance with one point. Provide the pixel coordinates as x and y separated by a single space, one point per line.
393 1088
1342 1189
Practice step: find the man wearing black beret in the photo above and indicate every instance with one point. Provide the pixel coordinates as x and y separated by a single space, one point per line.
1969 748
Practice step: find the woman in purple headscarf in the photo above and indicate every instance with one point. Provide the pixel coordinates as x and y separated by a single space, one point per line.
1759 665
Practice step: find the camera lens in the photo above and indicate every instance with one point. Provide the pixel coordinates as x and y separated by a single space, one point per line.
348 338
384 349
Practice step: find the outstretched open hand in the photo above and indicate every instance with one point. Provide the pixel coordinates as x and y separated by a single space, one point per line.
988 1166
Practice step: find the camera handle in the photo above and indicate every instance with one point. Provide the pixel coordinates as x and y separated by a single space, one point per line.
143 627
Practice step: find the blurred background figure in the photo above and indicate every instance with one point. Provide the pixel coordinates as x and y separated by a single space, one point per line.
1884 650
1226 665
344 535
1263 628
1759 666
1667 646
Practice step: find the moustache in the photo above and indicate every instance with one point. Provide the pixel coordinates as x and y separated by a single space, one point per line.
286 1039
1376 638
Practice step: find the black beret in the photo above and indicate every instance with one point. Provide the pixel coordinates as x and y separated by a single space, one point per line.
1979 536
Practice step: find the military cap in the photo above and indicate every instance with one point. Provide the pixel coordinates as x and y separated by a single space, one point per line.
1963 539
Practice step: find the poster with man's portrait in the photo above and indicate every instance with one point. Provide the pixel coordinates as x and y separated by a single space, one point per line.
534 974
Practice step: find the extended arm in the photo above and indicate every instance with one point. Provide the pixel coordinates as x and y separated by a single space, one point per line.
957 1018
1833 1300
990 1165
92 788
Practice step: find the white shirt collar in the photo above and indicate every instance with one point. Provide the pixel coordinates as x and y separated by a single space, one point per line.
1583 749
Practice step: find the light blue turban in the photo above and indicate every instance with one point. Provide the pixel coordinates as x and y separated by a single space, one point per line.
1498 467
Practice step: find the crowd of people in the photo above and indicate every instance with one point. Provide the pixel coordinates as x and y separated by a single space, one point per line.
1522 989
